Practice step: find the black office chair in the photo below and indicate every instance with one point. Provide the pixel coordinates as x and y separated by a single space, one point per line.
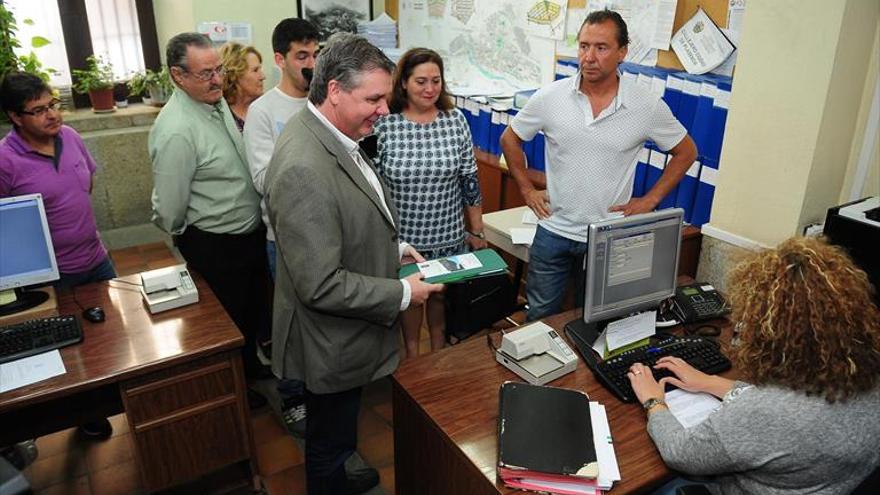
474 304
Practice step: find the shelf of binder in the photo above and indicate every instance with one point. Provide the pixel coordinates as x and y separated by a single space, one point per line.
700 103
487 119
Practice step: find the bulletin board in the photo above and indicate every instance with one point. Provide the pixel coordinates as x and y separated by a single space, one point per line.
715 9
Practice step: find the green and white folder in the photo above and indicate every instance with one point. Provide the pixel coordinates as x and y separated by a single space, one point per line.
456 269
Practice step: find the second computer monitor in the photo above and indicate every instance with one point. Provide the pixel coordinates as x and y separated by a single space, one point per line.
632 263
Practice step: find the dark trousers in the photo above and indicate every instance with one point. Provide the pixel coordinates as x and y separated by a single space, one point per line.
102 271
234 265
331 438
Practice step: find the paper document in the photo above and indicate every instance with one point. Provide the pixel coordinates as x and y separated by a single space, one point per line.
628 330
451 264
529 217
25 371
522 235
689 408
700 44
609 471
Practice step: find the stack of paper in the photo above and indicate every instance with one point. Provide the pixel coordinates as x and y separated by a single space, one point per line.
554 440
381 32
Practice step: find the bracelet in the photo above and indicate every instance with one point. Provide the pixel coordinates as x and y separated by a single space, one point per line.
478 235
652 403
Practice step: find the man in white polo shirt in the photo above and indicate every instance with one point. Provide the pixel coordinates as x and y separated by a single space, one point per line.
594 125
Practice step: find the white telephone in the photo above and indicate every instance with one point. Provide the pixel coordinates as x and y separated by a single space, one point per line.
168 288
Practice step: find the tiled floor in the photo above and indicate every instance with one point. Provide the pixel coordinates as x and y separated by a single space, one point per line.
70 465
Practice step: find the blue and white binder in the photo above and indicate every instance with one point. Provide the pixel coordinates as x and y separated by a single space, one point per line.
687 191
656 164
705 192
668 201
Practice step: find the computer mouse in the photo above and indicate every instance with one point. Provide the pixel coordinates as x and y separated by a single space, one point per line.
94 315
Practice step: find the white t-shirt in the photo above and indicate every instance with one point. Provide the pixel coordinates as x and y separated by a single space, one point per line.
590 163
266 118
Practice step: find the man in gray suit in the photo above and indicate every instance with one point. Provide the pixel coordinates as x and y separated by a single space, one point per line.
337 295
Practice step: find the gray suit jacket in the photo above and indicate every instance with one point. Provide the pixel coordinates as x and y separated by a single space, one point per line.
337 295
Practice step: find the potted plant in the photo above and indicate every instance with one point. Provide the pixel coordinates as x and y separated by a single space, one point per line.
155 87
160 86
120 94
96 80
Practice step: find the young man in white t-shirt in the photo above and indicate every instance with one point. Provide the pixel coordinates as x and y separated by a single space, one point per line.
295 43
594 125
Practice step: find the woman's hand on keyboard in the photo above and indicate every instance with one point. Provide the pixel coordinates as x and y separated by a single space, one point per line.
686 377
643 383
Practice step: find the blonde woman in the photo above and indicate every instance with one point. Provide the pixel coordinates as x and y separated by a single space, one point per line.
244 78
803 418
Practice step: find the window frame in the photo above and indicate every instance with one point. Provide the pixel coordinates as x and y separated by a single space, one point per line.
78 39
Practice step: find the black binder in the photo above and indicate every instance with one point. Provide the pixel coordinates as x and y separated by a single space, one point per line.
545 430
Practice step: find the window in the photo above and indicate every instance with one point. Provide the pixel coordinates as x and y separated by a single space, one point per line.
46 23
113 25
121 31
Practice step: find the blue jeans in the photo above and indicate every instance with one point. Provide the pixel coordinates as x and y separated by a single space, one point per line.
270 253
552 259
102 271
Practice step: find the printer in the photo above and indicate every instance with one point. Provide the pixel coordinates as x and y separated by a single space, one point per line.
536 353
855 226
168 288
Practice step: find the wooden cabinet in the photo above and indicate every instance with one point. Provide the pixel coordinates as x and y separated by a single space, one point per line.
187 421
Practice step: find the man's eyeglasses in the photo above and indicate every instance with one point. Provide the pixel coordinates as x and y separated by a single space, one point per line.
41 110
207 74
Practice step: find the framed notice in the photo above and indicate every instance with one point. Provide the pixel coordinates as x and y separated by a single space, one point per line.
334 16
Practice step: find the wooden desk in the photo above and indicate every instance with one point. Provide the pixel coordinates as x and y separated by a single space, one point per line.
177 375
446 413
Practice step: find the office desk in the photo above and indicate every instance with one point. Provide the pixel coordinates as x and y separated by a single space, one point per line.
497 227
177 375
446 413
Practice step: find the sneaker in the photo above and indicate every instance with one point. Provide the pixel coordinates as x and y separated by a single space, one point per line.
99 430
361 480
294 418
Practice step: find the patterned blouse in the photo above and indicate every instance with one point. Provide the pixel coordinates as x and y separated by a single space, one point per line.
432 175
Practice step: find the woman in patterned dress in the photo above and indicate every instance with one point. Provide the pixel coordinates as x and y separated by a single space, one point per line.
426 157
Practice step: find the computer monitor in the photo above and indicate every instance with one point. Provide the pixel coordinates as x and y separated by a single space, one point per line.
28 257
631 266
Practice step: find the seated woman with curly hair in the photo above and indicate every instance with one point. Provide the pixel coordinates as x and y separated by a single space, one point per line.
804 418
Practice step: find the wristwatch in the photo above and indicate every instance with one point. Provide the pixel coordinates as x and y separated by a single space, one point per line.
652 402
478 235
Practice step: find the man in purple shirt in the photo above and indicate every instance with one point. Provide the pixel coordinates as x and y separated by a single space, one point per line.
40 155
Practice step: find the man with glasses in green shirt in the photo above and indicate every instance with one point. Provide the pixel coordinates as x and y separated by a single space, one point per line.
203 194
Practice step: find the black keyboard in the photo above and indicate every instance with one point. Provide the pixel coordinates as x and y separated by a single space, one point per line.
31 337
701 353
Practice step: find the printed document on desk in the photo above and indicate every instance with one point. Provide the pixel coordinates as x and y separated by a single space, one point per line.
689 408
628 330
25 371
522 235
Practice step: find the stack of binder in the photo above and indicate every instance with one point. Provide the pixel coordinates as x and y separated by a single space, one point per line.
553 440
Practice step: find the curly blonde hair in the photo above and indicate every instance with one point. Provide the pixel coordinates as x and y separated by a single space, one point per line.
233 57
807 320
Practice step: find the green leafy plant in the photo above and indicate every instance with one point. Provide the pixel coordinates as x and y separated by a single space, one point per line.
141 82
9 42
97 75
